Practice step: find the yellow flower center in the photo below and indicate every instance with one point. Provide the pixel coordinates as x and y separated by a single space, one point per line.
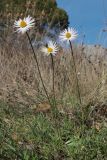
50 50
23 24
68 35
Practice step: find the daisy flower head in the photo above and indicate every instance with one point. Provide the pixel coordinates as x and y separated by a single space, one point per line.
51 48
69 34
23 25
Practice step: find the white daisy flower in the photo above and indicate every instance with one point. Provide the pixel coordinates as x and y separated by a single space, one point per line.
51 48
68 34
23 25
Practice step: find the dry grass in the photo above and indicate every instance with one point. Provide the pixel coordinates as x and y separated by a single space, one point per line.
20 80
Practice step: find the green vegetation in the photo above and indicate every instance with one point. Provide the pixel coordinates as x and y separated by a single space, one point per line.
45 12
25 135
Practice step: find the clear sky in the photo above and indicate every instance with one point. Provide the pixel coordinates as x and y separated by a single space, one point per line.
89 17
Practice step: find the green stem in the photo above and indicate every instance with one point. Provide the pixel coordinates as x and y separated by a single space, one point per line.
78 89
35 57
53 81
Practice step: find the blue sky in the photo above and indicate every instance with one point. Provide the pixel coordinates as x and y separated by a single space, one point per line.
88 17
